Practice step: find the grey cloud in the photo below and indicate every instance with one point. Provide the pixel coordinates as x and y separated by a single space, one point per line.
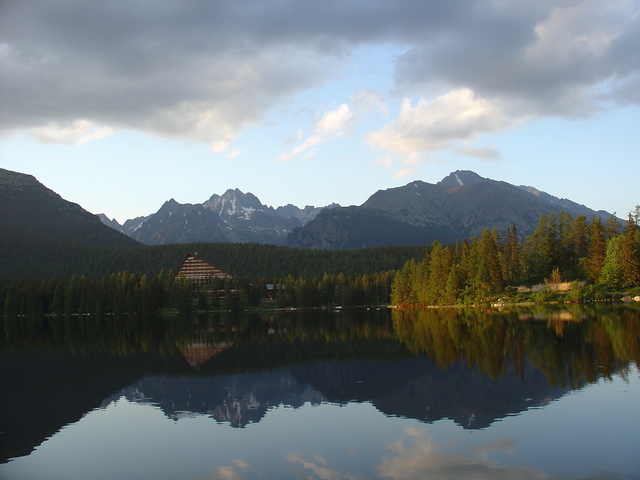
169 68
547 58
207 69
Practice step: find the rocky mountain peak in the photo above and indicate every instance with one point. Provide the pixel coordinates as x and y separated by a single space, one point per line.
234 203
460 177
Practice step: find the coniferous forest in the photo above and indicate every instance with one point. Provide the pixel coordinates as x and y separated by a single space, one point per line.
596 257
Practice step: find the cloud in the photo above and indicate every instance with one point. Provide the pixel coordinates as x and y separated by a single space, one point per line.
74 133
198 71
206 71
332 124
484 153
543 58
436 125
335 120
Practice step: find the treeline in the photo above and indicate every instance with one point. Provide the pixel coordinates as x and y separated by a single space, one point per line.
119 293
38 258
329 290
560 249
130 293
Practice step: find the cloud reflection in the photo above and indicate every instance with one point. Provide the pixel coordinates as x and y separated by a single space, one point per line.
426 458
318 466
231 472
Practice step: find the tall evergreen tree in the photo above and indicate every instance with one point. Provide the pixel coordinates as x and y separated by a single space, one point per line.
512 254
597 250
612 226
610 273
629 262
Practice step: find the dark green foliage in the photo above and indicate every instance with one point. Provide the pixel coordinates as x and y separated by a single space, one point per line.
32 214
120 293
26 258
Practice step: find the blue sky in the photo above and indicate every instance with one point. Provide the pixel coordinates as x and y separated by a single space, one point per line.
120 106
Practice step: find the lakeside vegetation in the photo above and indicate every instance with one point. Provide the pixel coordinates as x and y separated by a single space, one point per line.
598 257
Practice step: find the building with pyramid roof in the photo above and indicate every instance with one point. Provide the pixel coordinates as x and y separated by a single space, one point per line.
196 271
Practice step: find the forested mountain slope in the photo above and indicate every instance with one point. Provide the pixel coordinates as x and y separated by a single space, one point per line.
31 211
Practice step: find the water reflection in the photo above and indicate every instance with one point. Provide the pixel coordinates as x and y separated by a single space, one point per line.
470 366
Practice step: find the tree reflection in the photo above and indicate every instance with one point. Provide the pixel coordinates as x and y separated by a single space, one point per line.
571 346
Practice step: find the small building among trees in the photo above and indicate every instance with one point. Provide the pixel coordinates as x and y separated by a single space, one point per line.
198 272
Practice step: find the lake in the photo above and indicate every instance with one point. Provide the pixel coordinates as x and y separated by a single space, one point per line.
543 393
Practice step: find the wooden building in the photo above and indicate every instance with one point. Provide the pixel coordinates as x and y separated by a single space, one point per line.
196 271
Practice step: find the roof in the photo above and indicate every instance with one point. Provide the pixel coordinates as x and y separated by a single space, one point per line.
195 269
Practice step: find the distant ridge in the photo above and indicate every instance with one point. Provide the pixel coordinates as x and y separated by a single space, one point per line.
234 216
461 205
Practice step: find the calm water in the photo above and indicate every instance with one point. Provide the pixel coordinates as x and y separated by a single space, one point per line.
358 394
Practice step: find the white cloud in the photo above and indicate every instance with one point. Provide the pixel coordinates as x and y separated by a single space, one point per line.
74 133
332 124
335 120
437 124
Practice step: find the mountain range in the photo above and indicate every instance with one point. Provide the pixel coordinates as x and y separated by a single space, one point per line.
232 217
459 206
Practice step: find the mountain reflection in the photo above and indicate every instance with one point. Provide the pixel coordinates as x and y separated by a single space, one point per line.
471 366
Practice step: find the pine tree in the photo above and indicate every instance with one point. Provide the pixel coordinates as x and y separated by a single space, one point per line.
490 255
580 234
452 287
597 250
612 227
512 254
635 214
439 267
629 263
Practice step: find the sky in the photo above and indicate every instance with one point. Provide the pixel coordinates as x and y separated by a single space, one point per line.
121 105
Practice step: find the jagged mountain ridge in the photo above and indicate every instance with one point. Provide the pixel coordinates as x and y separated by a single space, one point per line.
459 206
234 216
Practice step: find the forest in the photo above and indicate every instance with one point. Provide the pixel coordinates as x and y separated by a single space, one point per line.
599 257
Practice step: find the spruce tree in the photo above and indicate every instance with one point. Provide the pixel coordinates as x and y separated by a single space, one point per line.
597 250
629 263
512 254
